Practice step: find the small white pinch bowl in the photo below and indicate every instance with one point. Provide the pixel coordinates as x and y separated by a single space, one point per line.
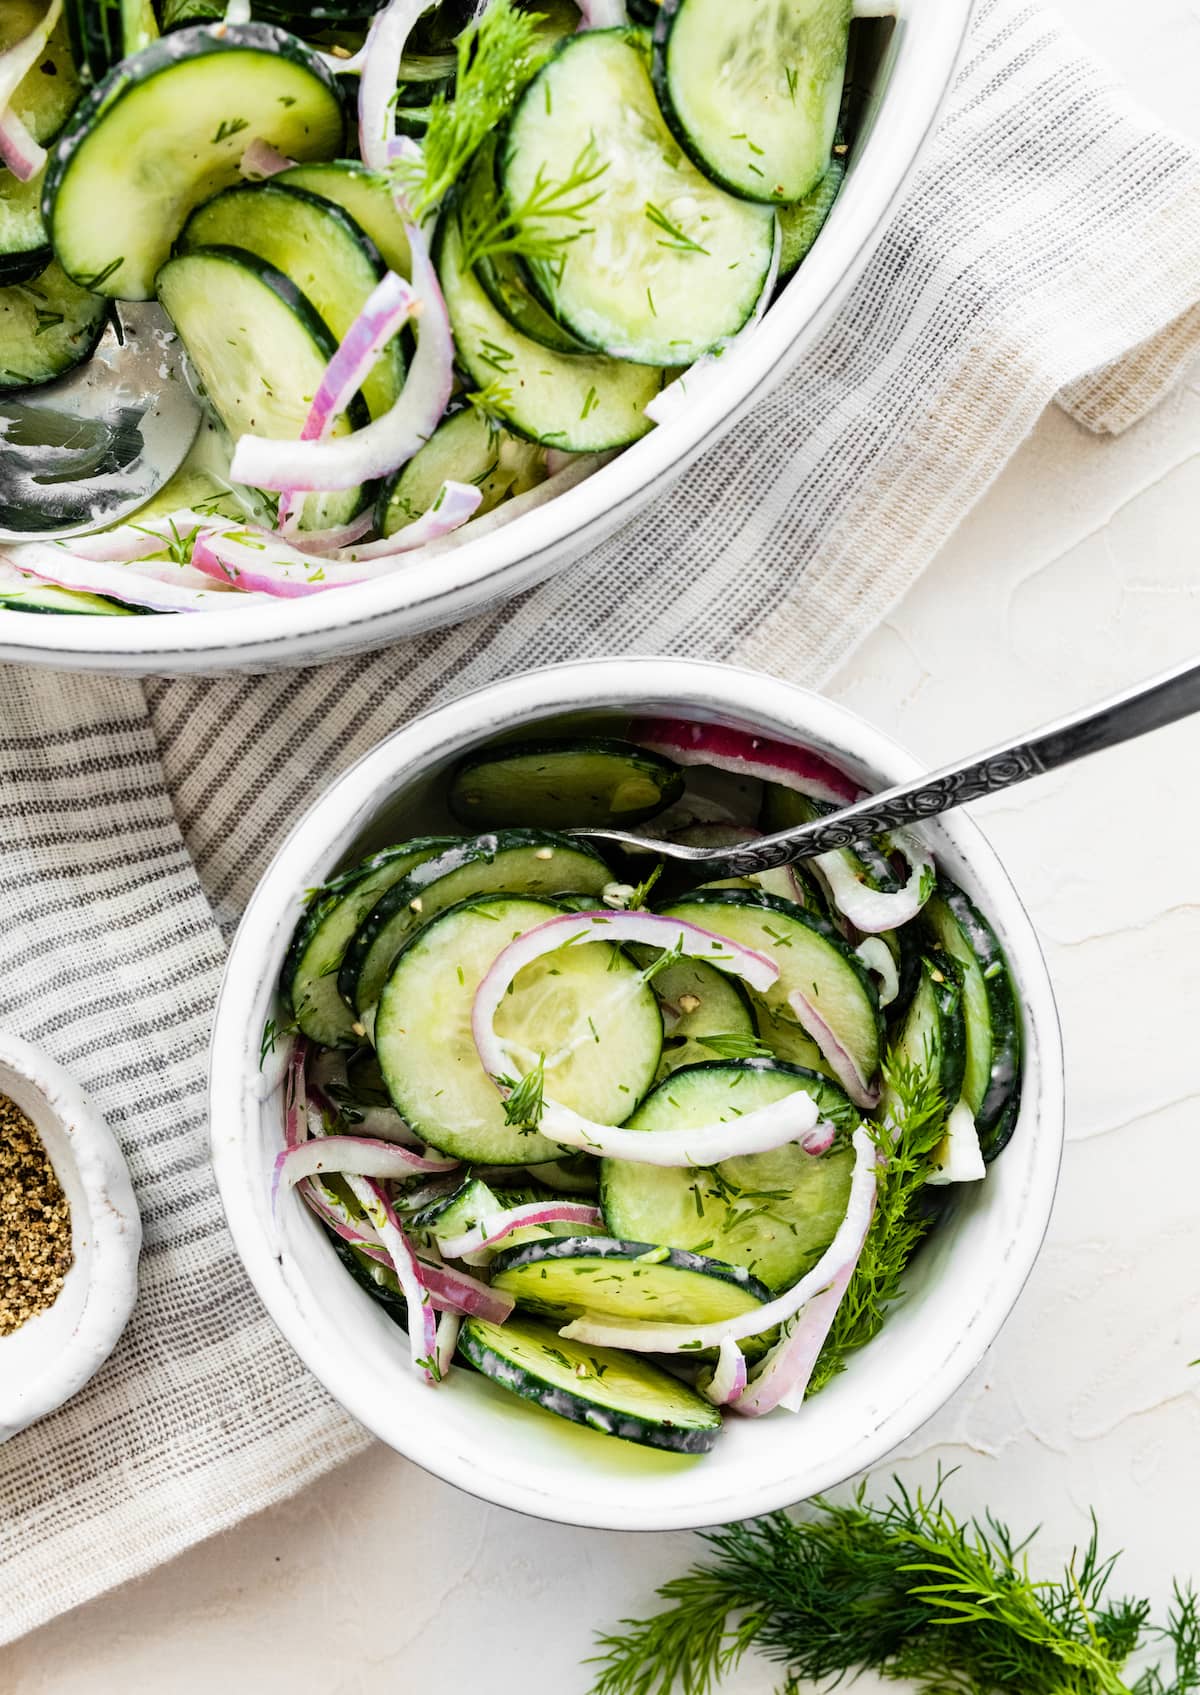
53 1355
963 1284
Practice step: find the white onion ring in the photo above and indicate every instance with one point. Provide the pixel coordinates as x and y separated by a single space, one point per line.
877 957
729 1379
51 563
380 72
785 1120
383 445
642 1338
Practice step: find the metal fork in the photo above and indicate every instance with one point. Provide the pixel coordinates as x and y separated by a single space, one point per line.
1149 706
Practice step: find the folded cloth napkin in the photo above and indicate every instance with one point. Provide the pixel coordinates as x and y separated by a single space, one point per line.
1050 245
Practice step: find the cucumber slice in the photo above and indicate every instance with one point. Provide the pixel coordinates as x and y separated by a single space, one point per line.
47 327
573 1174
46 95
167 130
932 1037
697 1001
501 275
578 403
318 247
459 1211
788 1040
774 1213
366 196
666 264
103 32
585 1009
609 1391
24 250
868 861
260 351
308 981
752 94
812 958
992 1076
800 224
627 1280
469 447
563 785
518 862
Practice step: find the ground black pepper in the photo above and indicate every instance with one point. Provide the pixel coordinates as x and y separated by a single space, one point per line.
35 1222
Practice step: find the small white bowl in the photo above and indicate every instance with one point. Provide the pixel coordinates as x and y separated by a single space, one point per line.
52 1356
962 1286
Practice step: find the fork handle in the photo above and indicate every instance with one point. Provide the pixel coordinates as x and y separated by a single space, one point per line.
1137 711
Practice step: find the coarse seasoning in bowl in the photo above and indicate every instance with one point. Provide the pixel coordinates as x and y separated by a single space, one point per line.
70 1236
597 299
639 1164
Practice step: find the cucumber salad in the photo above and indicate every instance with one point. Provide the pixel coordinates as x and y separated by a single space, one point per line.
642 1150
427 261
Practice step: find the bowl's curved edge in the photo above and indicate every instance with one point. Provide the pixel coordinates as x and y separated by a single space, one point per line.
235 1095
115 1235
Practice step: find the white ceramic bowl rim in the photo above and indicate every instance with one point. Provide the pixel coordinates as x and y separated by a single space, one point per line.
929 38
52 1356
891 1388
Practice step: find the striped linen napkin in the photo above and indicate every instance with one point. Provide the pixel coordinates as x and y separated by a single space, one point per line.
1050 247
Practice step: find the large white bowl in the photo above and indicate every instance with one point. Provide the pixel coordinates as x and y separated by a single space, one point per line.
902 93
474 1434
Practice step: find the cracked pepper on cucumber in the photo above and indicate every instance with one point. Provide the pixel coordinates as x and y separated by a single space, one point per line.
646 1151
426 260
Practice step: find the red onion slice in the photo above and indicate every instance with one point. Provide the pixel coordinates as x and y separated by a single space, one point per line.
497 1225
456 1291
381 446
729 1379
68 570
23 155
261 160
18 60
767 1127
746 755
875 910
643 1338
346 1156
448 1327
603 14
132 541
381 55
861 1089
294 1095
422 1325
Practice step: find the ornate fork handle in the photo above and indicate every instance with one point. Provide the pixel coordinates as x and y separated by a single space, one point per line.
1150 706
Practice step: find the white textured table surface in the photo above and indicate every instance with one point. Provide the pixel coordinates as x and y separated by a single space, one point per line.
1078 574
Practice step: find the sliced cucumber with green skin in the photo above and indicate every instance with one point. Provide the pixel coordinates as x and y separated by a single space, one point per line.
611 1392
787 1040
577 403
27 594
565 1278
564 784
47 94
308 980
468 447
813 961
752 93
103 32
366 196
992 1077
774 1213
783 809
932 1038
586 1011
47 326
573 1174
518 862
260 349
24 250
167 130
459 1211
317 246
501 275
698 1001
379 1281
666 264
800 224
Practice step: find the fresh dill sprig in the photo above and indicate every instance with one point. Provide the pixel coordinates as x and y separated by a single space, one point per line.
861 1586
542 225
492 400
677 239
668 957
496 56
640 896
909 1127
525 1102
273 1033
736 1046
